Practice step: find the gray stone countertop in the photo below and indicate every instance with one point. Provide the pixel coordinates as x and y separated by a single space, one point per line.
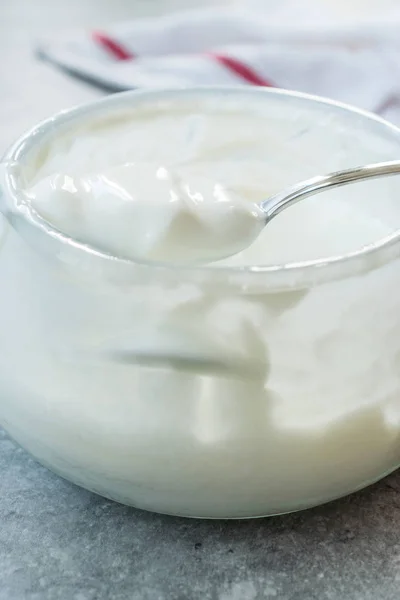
58 542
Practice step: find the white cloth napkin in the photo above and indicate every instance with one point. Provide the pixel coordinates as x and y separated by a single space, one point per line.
286 46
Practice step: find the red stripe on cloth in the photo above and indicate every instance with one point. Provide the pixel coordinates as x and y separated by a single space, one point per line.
113 47
240 69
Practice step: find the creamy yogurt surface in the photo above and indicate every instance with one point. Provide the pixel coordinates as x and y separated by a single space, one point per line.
185 185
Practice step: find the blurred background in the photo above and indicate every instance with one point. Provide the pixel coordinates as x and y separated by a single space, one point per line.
32 89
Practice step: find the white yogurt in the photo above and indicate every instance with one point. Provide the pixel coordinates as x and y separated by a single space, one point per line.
318 417
185 188
146 211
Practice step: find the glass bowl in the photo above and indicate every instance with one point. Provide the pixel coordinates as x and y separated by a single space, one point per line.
321 420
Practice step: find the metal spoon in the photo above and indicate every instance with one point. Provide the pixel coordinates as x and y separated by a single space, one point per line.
228 241
274 205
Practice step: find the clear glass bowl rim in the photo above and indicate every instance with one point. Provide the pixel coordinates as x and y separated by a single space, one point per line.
257 278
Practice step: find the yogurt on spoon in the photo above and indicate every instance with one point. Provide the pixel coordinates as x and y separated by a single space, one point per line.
144 211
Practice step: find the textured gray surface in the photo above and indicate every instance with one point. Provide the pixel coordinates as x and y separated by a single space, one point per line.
58 542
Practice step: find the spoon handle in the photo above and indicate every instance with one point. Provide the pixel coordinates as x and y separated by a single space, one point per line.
279 202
